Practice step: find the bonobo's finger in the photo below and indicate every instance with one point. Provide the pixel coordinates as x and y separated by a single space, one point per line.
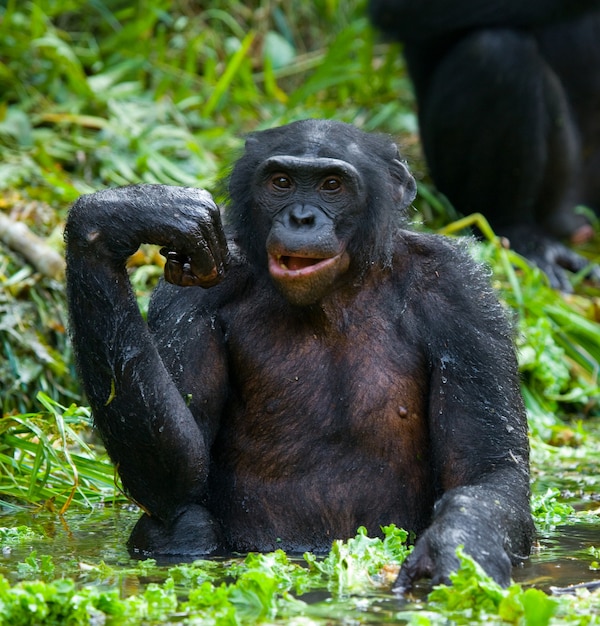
209 259
557 276
574 262
199 237
557 260
180 271
216 242
418 565
212 237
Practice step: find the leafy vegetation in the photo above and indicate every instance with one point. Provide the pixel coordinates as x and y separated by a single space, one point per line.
48 462
107 93
558 338
270 588
264 587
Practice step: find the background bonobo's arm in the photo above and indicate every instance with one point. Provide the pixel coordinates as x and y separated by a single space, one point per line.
478 430
425 19
149 432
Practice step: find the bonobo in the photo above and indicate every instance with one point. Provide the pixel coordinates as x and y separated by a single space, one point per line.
339 371
509 114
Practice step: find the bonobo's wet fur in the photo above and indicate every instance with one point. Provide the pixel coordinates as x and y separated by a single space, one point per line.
345 371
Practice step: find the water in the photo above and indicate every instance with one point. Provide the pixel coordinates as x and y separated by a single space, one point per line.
78 542
561 559
75 541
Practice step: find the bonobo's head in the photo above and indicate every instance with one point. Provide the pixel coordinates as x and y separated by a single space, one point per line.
316 201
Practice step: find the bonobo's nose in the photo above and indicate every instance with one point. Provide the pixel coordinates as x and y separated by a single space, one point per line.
302 215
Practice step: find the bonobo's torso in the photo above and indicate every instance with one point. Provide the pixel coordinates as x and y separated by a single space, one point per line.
324 429
323 426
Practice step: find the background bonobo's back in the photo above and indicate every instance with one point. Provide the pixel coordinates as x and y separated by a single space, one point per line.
529 74
340 371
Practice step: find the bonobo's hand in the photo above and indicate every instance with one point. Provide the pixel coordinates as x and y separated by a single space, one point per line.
186 271
185 222
476 517
191 532
204 265
554 258
434 556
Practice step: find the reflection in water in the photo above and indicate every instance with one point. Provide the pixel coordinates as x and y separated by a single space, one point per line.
92 538
562 558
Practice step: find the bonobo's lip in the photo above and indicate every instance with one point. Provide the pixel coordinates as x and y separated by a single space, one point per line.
282 266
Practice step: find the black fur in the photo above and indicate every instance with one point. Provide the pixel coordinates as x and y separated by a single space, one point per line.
509 113
242 420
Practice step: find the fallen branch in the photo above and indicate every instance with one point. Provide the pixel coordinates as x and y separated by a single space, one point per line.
32 248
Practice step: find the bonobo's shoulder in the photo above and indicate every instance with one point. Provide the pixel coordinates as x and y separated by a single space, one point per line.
440 264
450 291
435 250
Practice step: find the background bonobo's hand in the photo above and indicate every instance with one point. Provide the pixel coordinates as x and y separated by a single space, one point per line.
553 257
184 221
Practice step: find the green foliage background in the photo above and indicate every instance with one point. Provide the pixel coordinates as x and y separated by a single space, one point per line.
105 92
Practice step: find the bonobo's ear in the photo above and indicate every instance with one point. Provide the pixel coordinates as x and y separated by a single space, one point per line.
251 141
404 187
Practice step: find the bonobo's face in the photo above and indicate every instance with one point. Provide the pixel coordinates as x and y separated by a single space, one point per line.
311 206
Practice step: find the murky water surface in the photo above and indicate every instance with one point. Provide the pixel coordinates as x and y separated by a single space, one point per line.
80 540
74 539
560 559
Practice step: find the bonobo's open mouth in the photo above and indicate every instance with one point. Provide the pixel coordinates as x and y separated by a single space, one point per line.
284 266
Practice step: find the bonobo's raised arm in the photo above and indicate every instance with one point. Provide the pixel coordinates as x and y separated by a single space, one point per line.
143 418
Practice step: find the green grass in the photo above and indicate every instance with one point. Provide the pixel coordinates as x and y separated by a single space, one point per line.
45 461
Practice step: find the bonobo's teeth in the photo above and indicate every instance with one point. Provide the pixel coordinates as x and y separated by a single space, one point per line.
281 263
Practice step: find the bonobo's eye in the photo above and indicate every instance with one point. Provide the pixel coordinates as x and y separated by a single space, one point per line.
281 181
331 183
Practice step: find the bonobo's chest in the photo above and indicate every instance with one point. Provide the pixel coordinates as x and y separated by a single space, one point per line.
349 375
325 428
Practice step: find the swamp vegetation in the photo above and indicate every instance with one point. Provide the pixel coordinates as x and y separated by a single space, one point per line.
105 93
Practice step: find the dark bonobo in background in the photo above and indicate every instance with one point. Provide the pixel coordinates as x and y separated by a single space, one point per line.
509 113
340 370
